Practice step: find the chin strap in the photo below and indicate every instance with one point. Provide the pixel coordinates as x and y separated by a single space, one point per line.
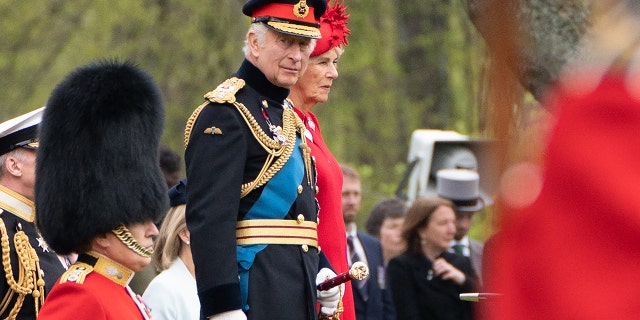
127 238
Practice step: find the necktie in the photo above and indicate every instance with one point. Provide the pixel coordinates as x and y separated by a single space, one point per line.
458 248
353 255
361 284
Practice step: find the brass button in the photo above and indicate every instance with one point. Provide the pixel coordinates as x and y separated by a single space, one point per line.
317 189
300 219
318 220
319 249
305 248
299 189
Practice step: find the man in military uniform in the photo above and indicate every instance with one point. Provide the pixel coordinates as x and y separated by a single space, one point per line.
251 206
29 267
101 188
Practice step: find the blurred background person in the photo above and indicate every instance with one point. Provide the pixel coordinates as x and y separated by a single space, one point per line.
427 279
170 164
23 287
371 299
99 189
462 187
173 293
313 88
385 223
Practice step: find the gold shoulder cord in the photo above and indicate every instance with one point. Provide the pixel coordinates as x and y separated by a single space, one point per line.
30 275
291 124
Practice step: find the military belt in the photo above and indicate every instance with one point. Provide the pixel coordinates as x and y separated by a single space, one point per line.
272 231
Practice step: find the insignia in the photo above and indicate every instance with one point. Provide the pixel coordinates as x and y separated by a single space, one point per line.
226 91
213 130
301 9
76 274
114 272
42 244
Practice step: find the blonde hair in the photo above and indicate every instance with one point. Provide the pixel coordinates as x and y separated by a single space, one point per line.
168 244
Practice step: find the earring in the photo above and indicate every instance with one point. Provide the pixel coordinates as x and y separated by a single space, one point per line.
188 242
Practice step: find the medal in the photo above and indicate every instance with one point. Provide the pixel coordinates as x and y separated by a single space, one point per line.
276 131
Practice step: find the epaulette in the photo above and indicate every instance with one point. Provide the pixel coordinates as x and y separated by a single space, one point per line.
223 93
76 273
226 91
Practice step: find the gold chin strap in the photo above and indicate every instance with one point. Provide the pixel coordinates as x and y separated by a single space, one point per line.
30 276
127 238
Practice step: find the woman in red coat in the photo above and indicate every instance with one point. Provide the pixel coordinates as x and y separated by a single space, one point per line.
313 88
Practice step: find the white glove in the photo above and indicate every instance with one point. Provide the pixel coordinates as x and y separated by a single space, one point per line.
230 315
328 299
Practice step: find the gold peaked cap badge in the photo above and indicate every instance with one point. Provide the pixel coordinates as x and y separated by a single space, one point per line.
301 9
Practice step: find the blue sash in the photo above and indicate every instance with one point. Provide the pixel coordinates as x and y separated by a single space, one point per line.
276 199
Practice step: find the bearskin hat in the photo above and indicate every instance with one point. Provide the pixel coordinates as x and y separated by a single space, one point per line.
97 166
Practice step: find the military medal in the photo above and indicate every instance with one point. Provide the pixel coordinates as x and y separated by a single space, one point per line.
276 131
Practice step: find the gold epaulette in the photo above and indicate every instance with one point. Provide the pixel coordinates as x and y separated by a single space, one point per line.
76 273
223 93
226 91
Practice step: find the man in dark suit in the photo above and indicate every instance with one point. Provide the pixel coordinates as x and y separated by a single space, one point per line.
462 187
371 299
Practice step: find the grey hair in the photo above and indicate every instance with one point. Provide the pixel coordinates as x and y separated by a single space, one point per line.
260 30
18 153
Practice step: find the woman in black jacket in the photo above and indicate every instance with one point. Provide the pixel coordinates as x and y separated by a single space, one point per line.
427 279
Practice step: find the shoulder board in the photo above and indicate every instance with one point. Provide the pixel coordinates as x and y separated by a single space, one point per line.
226 91
76 273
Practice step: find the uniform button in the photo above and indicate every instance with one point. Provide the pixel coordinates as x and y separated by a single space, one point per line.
300 219
319 249
317 189
299 189
318 220
305 248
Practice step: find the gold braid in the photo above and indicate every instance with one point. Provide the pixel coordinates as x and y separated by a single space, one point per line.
30 276
291 124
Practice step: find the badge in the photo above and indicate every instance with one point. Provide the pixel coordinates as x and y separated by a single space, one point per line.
301 9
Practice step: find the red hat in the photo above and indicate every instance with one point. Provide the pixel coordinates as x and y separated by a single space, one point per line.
333 27
294 17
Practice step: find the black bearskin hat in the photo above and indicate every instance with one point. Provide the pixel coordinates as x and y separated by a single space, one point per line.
97 165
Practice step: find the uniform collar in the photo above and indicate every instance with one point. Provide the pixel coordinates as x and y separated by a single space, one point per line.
17 204
257 80
107 267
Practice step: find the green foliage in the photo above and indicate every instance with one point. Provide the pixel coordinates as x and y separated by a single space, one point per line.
409 65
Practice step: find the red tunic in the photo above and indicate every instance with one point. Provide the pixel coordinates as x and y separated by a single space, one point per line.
331 230
574 253
85 293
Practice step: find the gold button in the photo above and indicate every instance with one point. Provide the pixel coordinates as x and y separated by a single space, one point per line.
305 248
299 189
319 249
300 219
317 189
